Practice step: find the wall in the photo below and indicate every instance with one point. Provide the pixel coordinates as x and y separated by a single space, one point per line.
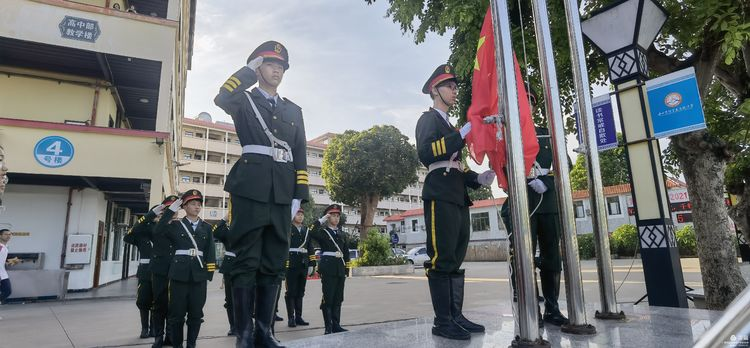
87 209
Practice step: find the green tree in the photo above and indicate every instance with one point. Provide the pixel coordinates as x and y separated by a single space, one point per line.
713 36
613 165
483 192
360 168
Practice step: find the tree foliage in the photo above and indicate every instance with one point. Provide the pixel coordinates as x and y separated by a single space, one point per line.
360 168
613 165
482 193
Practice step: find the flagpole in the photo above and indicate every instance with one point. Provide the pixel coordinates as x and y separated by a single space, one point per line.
508 107
573 281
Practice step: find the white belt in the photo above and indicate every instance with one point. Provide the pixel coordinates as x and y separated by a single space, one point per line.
445 164
332 253
189 252
297 250
278 155
229 253
144 261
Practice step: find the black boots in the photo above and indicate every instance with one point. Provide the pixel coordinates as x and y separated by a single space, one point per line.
327 319
298 312
265 311
290 311
177 331
243 301
145 323
336 319
159 339
443 324
192 333
457 305
230 318
551 291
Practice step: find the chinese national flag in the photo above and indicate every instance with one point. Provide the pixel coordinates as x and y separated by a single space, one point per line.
482 140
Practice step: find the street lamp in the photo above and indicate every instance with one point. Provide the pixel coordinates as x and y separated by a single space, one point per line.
623 32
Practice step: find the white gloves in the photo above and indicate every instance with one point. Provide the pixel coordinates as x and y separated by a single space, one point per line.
486 178
176 205
158 209
310 270
465 130
538 186
255 63
295 204
324 219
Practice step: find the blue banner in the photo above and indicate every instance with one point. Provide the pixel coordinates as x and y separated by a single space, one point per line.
675 104
604 123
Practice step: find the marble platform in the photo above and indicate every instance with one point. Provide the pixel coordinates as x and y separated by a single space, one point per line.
645 326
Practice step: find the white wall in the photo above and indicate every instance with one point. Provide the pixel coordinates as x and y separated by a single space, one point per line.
88 207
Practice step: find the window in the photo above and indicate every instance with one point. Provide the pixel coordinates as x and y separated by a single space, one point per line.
199 135
480 222
579 211
321 191
187 156
189 134
116 244
198 156
185 179
197 179
414 225
613 205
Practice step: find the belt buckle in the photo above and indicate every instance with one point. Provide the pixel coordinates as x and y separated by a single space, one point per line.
339 254
279 155
192 252
303 250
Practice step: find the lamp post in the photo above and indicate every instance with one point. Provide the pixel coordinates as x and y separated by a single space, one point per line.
623 31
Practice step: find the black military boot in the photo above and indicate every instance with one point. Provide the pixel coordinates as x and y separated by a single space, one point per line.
177 332
243 301
443 324
151 331
457 305
264 316
144 323
158 326
326 319
551 291
298 312
230 318
193 329
290 311
336 319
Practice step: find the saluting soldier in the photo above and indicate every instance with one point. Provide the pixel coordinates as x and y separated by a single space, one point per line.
301 264
140 237
446 205
333 267
266 185
193 265
221 232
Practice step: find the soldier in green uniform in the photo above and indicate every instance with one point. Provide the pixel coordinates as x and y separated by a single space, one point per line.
333 267
193 265
266 185
221 232
300 265
446 205
140 237
545 224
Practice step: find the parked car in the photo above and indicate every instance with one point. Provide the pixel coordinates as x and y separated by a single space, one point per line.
417 256
399 252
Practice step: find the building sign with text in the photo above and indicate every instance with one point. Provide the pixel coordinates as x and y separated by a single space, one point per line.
81 29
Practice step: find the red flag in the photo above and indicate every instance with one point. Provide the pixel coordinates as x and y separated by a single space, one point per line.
482 140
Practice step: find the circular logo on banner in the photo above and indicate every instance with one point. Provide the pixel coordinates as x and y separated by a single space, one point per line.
53 151
673 99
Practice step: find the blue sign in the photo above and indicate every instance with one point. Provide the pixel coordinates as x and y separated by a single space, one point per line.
53 151
675 104
79 29
604 123
394 238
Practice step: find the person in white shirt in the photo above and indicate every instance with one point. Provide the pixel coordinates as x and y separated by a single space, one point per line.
5 289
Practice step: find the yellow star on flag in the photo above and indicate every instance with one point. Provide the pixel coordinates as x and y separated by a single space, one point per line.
476 59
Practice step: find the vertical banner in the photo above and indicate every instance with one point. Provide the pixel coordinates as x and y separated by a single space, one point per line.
675 103
606 134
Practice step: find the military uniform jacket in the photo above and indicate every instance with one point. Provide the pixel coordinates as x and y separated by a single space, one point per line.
161 247
186 268
331 266
300 238
259 177
438 141
221 233
140 236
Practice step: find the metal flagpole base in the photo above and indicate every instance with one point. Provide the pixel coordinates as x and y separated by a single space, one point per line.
521 343
584 329
610 316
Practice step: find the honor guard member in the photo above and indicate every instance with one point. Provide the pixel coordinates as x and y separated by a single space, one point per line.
544 223
161 258
446 205
221 233
333 267
140 237
193 265
300 265
266 185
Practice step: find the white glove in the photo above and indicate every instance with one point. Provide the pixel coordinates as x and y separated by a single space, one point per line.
226 218
255 63
310 270
486 178
158 209
324 219
176 205
538 186
465 130
295 206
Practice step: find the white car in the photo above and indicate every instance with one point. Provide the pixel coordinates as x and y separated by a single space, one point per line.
417 256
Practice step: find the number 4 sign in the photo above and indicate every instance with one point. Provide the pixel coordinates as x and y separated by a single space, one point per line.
53 151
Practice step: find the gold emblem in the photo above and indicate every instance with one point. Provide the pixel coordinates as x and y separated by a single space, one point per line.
447 69
277 48
195 193
339 254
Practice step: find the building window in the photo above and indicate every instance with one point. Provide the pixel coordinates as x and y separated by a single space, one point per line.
414 225
613 205
187 156
185 179
198 156
199 135
189 134
321 191
480 222
116 244
579 211
197 179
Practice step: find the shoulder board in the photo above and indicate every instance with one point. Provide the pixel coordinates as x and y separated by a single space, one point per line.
291 102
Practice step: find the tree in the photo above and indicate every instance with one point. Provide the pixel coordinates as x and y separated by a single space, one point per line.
483 192
613 165
360 168
712 36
